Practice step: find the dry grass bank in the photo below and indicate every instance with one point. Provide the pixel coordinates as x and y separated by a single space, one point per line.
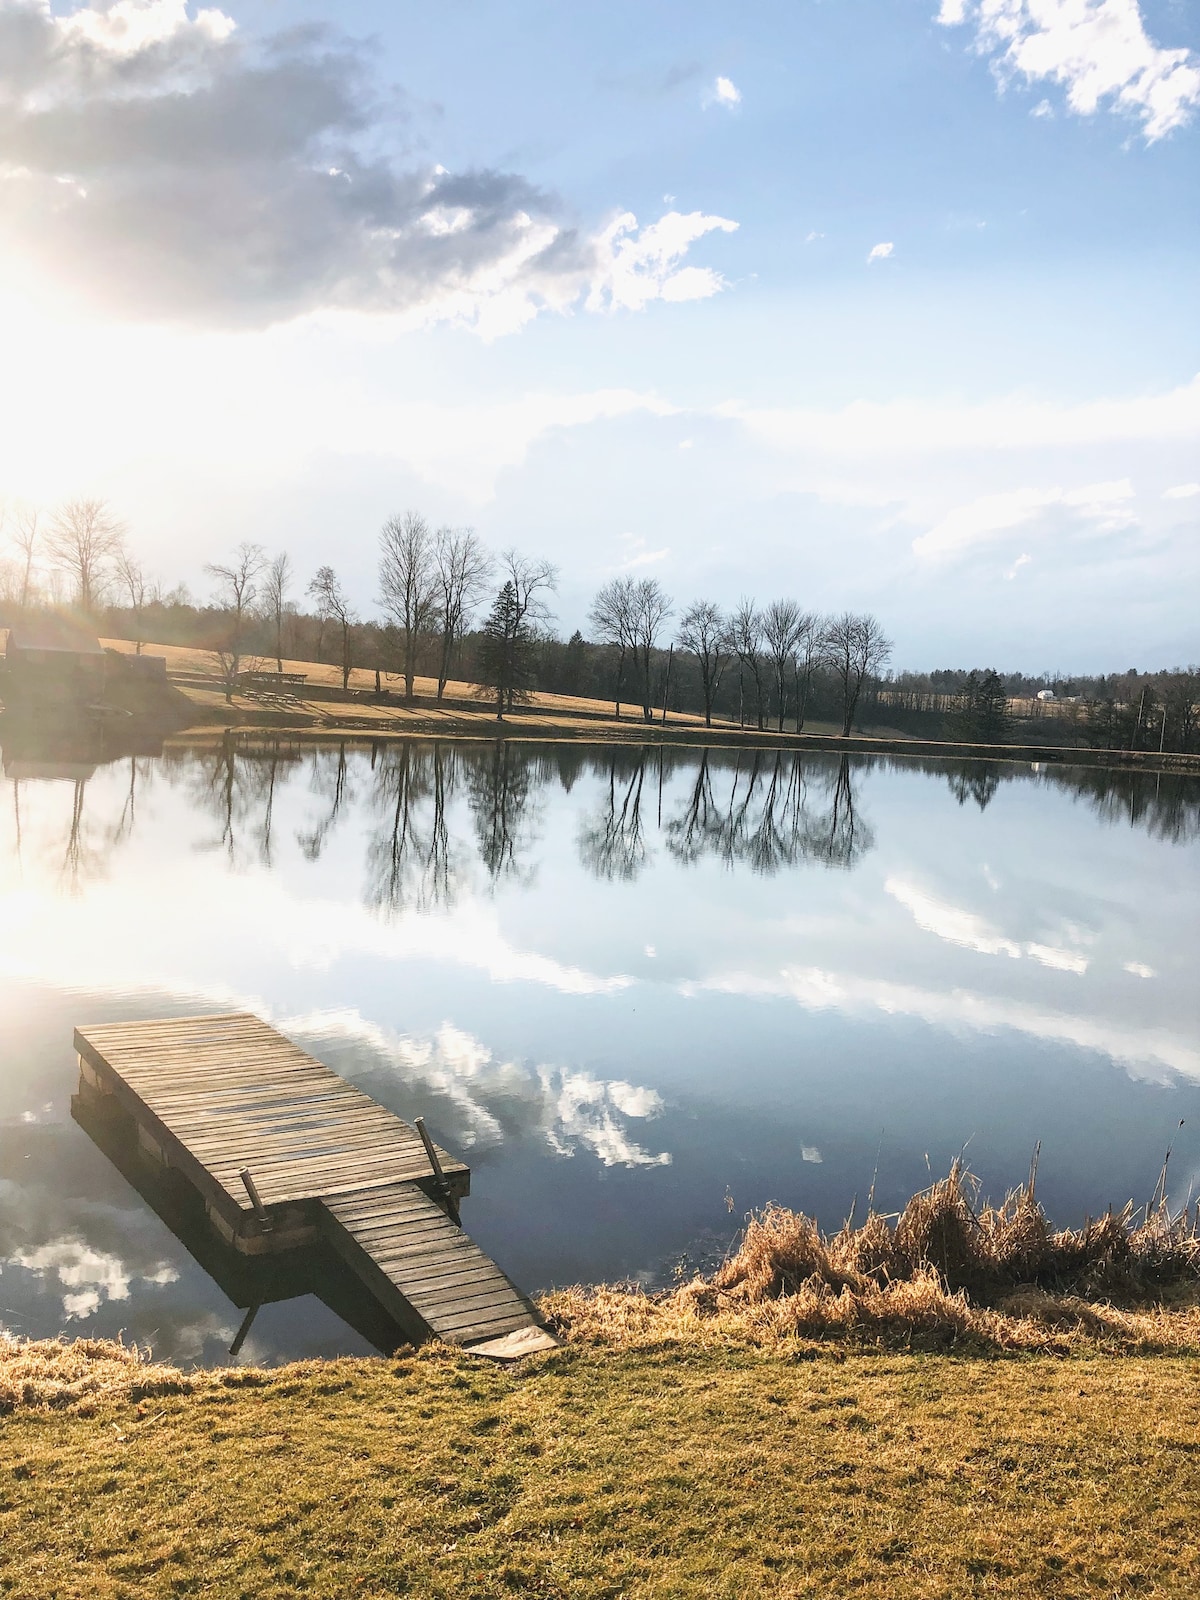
717 1470
645 1472
824 1416
197 673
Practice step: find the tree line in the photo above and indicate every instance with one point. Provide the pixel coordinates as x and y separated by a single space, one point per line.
448 607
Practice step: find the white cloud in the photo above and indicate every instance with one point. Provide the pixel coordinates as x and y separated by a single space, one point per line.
1182 491
635 1102
1145 1052
1139 969
951 923
1098 50
129 27
583 1114
637 555
569 1109
1102 505
809 238
91 1276
311 934
880 252
968 931
637 267
723 92
206 176
902 428
1022 560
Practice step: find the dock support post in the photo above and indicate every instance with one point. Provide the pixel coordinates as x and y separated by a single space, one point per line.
260 1211
240 1337
443 1187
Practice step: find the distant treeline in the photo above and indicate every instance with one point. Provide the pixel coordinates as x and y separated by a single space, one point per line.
450 609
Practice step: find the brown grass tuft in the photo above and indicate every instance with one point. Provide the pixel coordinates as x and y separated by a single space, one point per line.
75 1374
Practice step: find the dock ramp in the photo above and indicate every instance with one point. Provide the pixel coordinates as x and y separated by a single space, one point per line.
428 1274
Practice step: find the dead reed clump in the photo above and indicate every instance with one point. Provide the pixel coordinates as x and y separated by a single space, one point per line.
944 1271
914 1314
986 1250
780 1252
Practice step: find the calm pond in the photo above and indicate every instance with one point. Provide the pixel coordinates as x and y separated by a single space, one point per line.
640 993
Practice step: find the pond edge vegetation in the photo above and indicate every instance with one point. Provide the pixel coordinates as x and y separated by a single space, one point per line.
946 1274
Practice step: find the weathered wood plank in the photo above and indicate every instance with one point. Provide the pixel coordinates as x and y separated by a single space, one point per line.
401 1239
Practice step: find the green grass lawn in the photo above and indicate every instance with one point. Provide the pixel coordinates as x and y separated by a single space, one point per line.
658 1471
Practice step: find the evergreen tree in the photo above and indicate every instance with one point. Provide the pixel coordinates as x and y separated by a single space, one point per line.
983 718
506 652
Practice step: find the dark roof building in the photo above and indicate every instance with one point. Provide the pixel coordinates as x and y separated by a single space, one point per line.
51 636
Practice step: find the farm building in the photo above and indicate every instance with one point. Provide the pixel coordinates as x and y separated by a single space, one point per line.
52 653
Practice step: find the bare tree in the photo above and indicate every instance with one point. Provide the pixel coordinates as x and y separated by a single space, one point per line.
333 605
854 647
134 587
612 619
746 632
806 655
781 622
462 566
26 535
237 590
704 630
276 582
408 585
83 541
532 580
652 607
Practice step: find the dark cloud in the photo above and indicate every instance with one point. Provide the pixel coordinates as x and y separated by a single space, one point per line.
161 165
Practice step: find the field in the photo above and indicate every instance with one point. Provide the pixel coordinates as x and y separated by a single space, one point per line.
319 707
320 698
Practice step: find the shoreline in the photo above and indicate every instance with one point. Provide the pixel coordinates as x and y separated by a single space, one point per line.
484 729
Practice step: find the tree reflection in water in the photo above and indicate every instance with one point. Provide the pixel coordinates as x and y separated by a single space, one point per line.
974 780
1165 804
235 783
767 810
502 795
410 861
612 839
780 811
329 773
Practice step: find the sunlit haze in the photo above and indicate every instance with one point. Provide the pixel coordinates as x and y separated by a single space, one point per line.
888 306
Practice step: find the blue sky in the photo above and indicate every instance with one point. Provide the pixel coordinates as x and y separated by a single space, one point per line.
906 320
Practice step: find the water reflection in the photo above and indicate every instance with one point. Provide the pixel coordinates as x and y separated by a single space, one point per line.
618 981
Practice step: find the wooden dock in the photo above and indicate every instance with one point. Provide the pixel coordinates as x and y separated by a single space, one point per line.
284 1153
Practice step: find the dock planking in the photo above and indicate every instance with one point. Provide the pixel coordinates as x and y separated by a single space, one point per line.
414 1259
217 1096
